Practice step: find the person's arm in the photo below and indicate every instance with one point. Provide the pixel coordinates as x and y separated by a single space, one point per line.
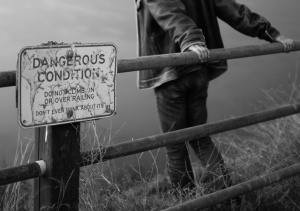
171 17
241 18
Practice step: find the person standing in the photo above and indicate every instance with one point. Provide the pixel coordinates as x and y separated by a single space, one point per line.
172 26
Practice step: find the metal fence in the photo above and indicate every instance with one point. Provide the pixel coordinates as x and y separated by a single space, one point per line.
44 168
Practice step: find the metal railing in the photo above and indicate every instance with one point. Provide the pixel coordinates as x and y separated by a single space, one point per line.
8 78
38 168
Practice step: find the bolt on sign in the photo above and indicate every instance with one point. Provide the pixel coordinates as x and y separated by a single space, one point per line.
66 83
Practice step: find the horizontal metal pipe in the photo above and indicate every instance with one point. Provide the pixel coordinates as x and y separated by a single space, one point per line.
23 172
38 168
167 60
152 142
187 134
8 78
237 190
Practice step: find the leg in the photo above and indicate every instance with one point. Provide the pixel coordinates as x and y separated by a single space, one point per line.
210 158
204 147
171 106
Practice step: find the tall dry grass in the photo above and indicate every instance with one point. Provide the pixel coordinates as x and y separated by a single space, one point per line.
18 196
266 147
105 186
261 149
249 153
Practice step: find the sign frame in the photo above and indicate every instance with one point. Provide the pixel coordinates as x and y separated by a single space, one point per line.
70 56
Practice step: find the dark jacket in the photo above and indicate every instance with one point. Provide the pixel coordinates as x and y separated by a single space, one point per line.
171 26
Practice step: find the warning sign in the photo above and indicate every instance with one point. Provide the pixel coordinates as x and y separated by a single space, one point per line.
66 83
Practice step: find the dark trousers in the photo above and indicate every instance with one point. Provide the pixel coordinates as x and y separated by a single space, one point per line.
181 103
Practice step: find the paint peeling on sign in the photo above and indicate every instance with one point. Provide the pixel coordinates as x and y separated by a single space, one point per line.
66 83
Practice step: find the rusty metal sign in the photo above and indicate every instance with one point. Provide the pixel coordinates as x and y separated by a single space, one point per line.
66 83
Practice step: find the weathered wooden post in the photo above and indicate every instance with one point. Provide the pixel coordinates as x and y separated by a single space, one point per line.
59 86
59 147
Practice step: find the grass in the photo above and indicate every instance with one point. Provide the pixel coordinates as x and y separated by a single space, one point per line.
260 149
18 196
249 152
263 148
268 147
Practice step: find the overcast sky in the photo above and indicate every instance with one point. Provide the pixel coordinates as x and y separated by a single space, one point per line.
32 22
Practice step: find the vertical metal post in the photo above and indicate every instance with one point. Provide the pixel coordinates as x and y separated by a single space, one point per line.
59 147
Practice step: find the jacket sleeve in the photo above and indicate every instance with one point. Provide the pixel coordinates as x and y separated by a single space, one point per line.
171 17
244 20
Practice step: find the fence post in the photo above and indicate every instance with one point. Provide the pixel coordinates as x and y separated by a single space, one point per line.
59 147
